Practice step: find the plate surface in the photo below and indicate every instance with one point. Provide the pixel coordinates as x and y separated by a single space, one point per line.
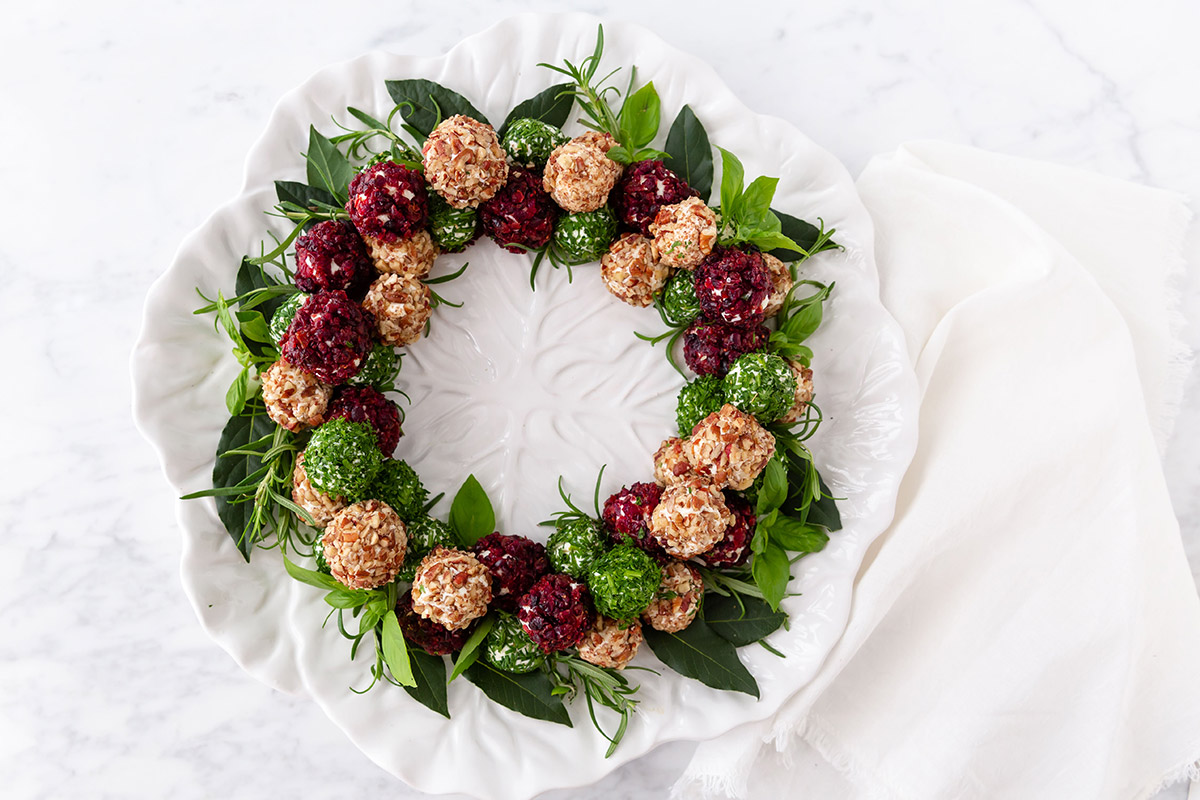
521 387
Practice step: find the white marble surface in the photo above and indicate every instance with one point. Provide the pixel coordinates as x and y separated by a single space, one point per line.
126 123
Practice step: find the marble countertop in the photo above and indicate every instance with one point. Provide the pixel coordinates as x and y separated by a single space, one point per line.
127 123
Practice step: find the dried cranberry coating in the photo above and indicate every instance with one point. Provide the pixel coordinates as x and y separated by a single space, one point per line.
431 637
368 404
627 516
643 189
733 287
515 563
388 201
331 255
521 213
710 348
329 337
734 549
556 612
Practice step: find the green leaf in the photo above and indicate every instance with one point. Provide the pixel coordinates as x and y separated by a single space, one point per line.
530 694
427 104
311 577
253 276
395 651
696 652
552 106
232 470
235 397
741 623
690 152
803 234
772 571
327 167
471 513
754 206
470 651
798 537
366 119
302 194
824 510
769 240
733 176
774 487
641 115
430 674
348 598
804 322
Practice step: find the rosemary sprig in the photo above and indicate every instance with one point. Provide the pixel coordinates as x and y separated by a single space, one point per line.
573 511
600 686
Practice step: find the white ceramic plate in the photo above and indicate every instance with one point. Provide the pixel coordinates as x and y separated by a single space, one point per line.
519 387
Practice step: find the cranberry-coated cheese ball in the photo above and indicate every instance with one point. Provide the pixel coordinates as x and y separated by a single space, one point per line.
368 404
579 174
804 392
464 162
734 548
320 506
608 644
631 272
670 463
451 588
388 202
330 337
684 233
781 283
401 307
627 513
330 255
733 287
710 348
521 215
364 545
515 563
730 448
294 398
690 518
431 637
646 187
678 599
556 612
412 256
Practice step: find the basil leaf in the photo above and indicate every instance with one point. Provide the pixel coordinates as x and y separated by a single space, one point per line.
529 694
772 572
732 177
774 487
302 194
798 537
754 206
427 104
803 234
804 322
233 470
470 651
235 396
741 623
696 652
689 152
395 651
471 514
552 106
770 240
640 116
824 510
327 167
430 674
348 598
311 577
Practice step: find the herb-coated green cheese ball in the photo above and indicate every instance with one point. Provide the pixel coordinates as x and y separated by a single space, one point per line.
574 545
530 141
452 228
399 485
343 458
284 315
586 235
379 368
761 384
623 582
509 648
424 534
697 400
679 298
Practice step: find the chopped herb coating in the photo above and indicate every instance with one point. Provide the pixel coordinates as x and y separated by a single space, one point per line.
574 545
697 400
761 384
531 141
586 235
284 315
342 458
679 298
380 367
424 534
399 485
452 228
623 582
509 648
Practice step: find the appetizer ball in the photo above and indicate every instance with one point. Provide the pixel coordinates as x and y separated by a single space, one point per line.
679 298
343 458
579 174
284 315
400 306
294 398
585 236
367 404
609 643
697 400
574 545
781 283
623 582
761 384
627 516
364 545
388 202
330 255
733 287
521 215
424 534
803 395
434 639
412 256
509 648
734 548
320 506
690 518
329 337
451 588
515 563
730 448
399 485
684 233
556 612
670 464
631 272
379 368
710 348
678 598
452 228
643 189
464 162
530 142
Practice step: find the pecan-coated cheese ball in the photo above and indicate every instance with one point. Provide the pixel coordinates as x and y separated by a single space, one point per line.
631 272
690 518
781 283
684 233
804 392
412 256
401 306
671 465
321 506
451 588
364 545
294 398
609 643
464 162
678 598
730 448
579 174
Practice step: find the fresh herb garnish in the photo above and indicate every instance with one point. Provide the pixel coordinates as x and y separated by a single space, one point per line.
471 513
600 686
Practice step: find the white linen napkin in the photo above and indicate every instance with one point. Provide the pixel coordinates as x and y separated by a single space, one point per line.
1028 626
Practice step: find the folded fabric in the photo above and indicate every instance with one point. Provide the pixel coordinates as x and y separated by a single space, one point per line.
1028 626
